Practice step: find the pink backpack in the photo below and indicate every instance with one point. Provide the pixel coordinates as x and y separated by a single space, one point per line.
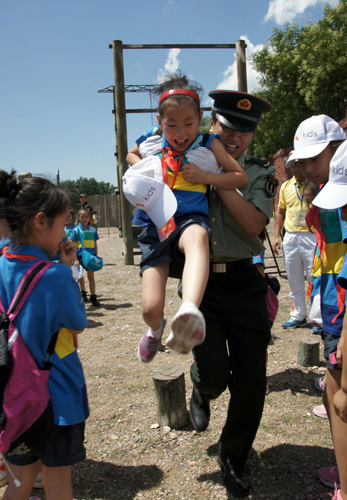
26 420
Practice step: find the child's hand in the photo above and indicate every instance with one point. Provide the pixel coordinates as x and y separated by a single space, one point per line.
340 404
339 351
68 252
193 174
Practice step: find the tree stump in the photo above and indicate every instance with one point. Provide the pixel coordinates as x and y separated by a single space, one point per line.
170 392
308 351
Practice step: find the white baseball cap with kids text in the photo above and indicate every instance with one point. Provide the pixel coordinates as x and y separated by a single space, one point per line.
313 136
144 187
334 193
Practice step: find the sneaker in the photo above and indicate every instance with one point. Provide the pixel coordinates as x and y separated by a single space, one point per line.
84 295
320 411
316 330
94 301
38 481
319 384
187 329
329 476
294 323
148 345
337 494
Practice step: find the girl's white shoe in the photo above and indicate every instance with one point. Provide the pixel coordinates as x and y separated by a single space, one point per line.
187 329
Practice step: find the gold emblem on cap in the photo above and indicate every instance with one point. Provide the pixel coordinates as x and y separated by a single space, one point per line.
244 104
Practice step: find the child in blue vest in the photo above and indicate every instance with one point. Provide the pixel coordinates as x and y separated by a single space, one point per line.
70 222
316 143
34 213
89 236
179 149
333 196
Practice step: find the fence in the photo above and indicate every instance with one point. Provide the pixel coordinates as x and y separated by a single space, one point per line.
106 206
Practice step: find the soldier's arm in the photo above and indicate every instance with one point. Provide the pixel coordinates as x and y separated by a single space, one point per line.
249 218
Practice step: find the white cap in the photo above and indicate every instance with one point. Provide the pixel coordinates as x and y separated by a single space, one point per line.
144 187
334 193
313 136
290 162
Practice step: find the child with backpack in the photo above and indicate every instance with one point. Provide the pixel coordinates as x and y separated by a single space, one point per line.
34 214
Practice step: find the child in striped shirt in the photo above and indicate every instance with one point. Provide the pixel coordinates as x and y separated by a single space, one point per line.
84 231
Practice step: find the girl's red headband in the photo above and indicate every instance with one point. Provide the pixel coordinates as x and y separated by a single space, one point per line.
169 93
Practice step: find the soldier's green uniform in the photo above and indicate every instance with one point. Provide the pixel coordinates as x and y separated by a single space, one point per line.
237 325
229 242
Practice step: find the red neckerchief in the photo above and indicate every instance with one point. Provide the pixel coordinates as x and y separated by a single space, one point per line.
313 219
23 258
168 160
341 295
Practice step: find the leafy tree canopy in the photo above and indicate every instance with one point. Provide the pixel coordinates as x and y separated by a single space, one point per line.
303 73
205 124
88 186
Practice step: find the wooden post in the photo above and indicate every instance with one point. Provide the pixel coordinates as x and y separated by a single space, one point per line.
170 392
122 146
241 65
308 351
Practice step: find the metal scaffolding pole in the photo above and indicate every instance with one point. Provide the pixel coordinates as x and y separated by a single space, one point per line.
120 115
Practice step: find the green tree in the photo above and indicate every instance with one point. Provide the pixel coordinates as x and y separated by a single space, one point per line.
323 81
205 124
302 72
88 186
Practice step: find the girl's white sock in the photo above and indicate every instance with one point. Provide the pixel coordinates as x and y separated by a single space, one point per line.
191 304
156 333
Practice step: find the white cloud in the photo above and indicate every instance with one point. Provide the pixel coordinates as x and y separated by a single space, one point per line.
171 65
168 8
229 81
283 11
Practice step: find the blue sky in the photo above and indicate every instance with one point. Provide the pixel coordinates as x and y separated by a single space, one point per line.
55 57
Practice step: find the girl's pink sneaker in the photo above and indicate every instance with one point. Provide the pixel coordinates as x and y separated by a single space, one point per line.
320 411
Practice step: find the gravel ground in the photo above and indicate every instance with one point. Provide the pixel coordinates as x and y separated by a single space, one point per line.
130 457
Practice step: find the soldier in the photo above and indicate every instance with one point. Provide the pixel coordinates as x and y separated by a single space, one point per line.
234 305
